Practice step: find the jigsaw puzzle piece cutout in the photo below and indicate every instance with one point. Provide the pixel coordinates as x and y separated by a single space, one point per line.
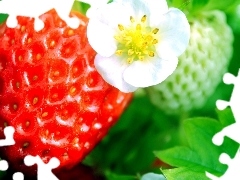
8 132
230 131
64 12
229 78
36 8
232 172
235 96
18 176
3 165
33 9
44 170
221 104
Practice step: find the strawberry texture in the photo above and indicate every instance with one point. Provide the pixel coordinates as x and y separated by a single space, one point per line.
51 93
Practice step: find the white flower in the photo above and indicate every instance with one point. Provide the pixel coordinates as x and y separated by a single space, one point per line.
137 42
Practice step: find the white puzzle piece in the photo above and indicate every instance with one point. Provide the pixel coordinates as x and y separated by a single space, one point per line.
44 171
18 176
35 8
232 172
3 165
8 141
231 131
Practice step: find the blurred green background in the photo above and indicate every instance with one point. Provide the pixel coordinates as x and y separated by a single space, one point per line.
127 151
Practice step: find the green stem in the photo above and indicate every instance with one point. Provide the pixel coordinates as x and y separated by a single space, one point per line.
78 7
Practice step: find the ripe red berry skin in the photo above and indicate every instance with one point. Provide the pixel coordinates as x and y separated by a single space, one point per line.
51 93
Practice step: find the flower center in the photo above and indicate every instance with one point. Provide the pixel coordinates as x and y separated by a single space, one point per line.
137 41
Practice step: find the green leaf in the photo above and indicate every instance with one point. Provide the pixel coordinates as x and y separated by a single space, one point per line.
200 154
182 173
3 17
226 117
179 156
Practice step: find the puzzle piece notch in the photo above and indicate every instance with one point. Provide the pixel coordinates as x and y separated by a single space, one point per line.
230 131
44 170
3 165
35 8
221 104
232 172
235 96
8 132
229 78
18 176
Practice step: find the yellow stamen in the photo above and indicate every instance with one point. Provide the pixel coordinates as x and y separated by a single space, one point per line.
130 52
119 52
155 41
132 19
155 31
138 53
138 27
151 54
149 38
118 38
120 27
130 60
141 58
144 18
136 41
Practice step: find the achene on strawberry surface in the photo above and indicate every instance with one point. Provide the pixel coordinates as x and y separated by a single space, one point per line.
51 93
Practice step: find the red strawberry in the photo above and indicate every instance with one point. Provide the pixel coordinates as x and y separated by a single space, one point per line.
51 93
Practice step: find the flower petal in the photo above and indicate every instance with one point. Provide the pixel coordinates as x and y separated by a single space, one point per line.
151 72
100 37
113 14
151 8
174 34
111 69
94 5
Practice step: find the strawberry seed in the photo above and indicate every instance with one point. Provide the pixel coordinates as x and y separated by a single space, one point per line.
26 144
17 85
35 78
35 100
45 114
70 32
15 107
38 56
27 123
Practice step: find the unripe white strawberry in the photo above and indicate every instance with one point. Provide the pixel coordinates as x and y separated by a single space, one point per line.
201 66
